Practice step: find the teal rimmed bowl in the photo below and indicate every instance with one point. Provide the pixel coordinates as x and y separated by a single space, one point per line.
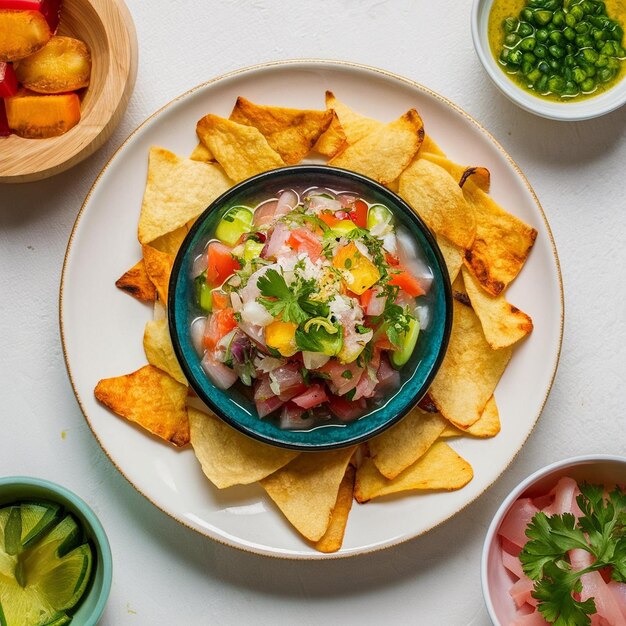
233 405
91 606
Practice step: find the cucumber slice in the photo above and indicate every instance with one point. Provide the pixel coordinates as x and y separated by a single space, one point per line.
400 356
252 250
236 222
379 214
204 298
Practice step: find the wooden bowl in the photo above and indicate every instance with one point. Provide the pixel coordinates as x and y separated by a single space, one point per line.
107 28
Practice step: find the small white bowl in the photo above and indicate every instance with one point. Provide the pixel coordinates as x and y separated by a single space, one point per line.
495 580
565 111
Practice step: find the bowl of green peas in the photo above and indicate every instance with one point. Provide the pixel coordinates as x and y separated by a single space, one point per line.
560 59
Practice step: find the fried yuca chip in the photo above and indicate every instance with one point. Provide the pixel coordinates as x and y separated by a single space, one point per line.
306 489
177 190
157 345
470 370
158 267
229 457
333 537
430 146
201 153
436 197
137 283
150 398
502 243
241 150
480 176
452 255
405 442
355 125
333 140
441 468
385 153
487 426
291 132
503 323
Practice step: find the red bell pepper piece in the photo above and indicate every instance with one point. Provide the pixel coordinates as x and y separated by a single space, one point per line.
8 80
359 214
5 131
50 9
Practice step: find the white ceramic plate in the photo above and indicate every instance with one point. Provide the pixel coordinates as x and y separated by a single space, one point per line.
102 327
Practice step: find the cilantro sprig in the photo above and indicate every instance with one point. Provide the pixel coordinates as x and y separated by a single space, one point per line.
288 302
601 531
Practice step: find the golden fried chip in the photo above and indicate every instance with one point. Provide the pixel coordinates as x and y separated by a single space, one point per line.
503 323
440 468
437 198
157 345
158 267
201 153
430 146
355 125
241 150
402 444
291 132
333 537
480 176
452 255
385 153
487 426
502 243
229 457
152 399
470 370
306 489
171 242
333 140
177 190
137 283
451 431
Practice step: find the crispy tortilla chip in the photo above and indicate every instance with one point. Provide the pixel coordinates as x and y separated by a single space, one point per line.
137 283
440 468
152 399
503 323
502 243
241 150
355 125
157 345
470 370
201 153
170 242
480 176
431 147
402 444
291 132
158 267
436 197
177 190
385 153
451 431
229 457
306 489
452 255
333 140
487 426
333 537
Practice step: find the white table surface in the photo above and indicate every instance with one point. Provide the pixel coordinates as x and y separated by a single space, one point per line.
167 574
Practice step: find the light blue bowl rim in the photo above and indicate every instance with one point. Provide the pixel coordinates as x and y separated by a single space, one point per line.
98 534
306 440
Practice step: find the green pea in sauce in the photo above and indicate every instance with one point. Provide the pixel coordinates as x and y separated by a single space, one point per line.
560 50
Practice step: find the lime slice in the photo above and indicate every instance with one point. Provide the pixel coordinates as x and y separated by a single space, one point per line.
37 518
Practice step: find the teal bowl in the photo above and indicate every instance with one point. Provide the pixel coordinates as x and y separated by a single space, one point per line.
235 407
91 606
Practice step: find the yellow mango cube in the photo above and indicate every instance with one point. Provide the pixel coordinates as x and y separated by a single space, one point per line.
359 273
282 337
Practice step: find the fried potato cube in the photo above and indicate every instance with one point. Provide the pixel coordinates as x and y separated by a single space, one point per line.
63 64
38 117
359 272
22 33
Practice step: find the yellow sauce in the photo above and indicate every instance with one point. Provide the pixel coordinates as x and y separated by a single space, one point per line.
501 9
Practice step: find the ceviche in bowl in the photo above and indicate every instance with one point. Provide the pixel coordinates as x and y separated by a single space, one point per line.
309 307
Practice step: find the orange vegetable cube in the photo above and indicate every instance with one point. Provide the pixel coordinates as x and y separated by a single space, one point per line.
22 33
39 117
281 336
63 64
359 273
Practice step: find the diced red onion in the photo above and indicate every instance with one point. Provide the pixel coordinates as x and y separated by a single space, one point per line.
256 314
200 264
287 202
197 334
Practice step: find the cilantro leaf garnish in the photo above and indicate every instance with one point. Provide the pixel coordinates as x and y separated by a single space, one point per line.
282 300
601 531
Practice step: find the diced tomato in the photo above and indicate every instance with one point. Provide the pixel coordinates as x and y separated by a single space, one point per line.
400 277
220 324
265 407
5 131
221 263
366 298
359 214
313 396
303 240
392 260
345 410
220 299
328 218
